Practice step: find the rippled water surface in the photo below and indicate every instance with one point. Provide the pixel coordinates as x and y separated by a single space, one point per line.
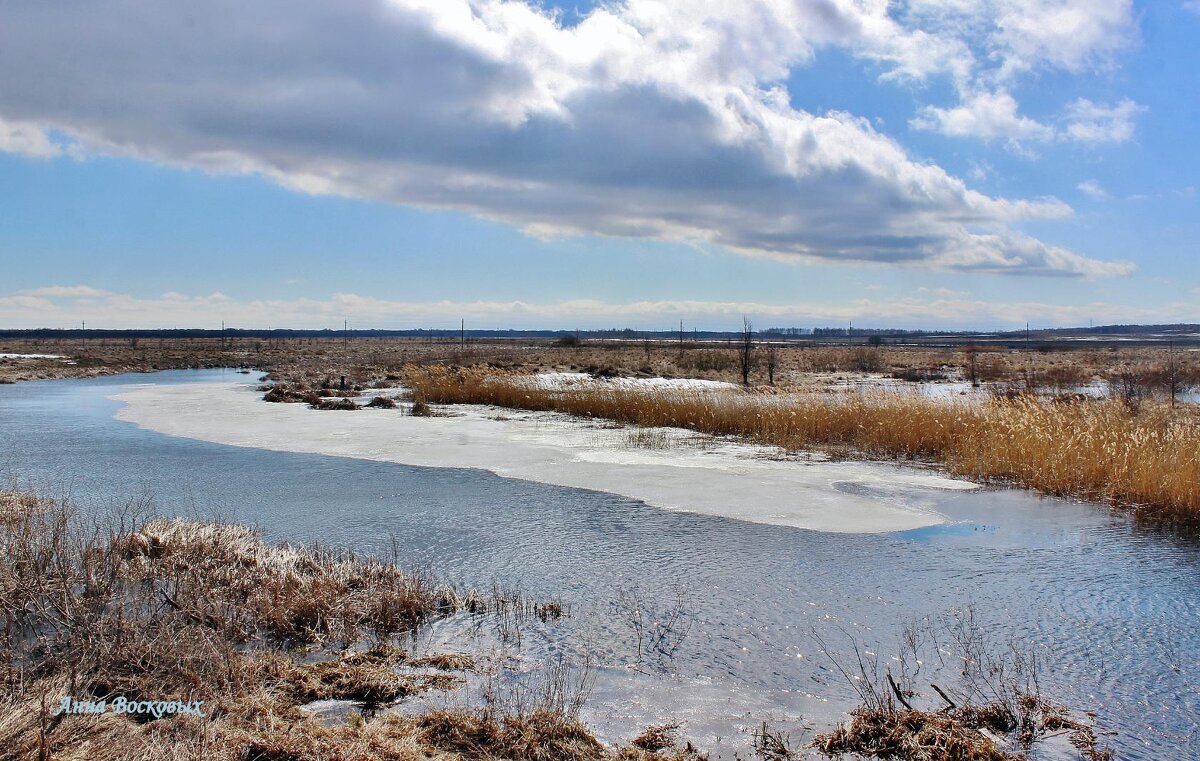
1113 611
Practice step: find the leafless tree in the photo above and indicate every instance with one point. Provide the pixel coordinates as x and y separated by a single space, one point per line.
1174 377
972 353
747 353
772 362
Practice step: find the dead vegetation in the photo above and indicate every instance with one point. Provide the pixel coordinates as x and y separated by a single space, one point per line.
994 711
150 609
1145 458
320 364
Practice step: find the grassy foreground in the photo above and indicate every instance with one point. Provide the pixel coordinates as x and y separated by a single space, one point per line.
1146 457
164 614
211 617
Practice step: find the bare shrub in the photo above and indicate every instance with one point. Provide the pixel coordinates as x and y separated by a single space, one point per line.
1131 386
866 359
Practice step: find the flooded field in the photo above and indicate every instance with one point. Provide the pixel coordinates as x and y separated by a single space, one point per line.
1109 609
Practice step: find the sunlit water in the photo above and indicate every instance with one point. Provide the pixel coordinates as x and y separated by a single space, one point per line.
1113 611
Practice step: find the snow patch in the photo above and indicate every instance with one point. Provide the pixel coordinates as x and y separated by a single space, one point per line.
561 381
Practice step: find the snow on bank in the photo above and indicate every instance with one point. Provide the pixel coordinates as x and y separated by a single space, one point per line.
566 381
697 473
31 356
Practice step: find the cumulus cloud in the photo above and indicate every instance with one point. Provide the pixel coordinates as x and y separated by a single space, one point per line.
647 119
27 140
1010 37
928 308
993 115
1097 123
1093 190
985 115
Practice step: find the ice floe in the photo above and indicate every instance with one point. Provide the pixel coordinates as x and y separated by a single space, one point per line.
679 470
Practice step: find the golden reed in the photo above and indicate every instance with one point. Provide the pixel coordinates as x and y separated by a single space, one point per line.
1148 460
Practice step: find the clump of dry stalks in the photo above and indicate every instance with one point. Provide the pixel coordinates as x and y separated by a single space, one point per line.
1145 457
971 733
993 711
179 610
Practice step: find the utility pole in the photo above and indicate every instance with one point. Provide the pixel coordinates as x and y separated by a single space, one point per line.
462 334
345 333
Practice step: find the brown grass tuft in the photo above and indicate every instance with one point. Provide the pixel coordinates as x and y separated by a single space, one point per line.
445 662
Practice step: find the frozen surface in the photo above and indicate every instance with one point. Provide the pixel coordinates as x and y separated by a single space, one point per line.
559 381
684 471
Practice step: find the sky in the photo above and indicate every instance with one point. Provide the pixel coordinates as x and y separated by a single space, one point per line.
414 163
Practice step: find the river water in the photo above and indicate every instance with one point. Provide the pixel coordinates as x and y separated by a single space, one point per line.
1112 611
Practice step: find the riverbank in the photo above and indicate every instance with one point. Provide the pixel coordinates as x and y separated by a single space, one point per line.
1143 457
670 468
177 639
149 638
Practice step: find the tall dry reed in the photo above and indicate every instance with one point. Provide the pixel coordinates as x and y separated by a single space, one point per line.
1147 459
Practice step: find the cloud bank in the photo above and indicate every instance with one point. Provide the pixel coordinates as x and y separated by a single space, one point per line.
67 306
652 119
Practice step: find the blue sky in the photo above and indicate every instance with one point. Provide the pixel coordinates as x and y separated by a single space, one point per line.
403 163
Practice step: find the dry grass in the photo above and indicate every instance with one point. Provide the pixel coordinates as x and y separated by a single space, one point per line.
445 662
183 611
1146 458
992 708
915 735
968 733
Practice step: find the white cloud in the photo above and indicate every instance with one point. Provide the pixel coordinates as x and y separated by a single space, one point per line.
1092 189
992 115
1066 34
67 292
1097 123
930 308
1010 37
985 115
1191 5
26 139
647 119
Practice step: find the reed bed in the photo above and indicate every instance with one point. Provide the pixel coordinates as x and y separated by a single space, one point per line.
1146 458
